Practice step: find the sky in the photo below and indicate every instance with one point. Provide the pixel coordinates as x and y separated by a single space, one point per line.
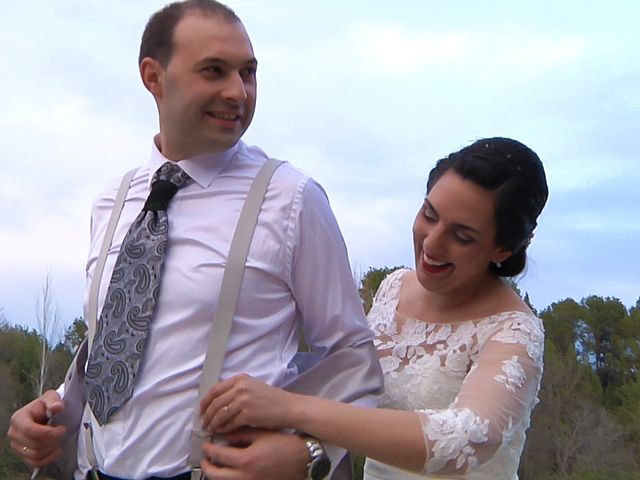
364 96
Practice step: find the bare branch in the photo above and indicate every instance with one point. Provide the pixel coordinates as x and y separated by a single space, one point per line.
48 320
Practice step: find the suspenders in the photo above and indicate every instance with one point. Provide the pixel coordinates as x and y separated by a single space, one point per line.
229 290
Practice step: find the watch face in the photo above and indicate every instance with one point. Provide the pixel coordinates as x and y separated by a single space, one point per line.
320 468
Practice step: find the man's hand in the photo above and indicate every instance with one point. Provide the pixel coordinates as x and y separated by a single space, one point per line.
37 443
256 455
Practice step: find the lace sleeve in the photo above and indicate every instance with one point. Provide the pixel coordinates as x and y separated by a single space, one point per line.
494 402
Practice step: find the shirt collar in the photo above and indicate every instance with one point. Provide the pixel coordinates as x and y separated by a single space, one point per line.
201 168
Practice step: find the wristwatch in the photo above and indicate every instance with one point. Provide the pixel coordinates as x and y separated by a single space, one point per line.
319 464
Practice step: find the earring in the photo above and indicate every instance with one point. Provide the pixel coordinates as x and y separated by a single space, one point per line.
498 264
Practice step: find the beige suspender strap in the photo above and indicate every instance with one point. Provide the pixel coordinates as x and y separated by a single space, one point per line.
232 278
92 307
94 289
229 291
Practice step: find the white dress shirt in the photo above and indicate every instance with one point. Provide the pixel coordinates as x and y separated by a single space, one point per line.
297 271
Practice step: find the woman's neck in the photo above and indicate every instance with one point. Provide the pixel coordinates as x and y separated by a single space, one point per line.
489 295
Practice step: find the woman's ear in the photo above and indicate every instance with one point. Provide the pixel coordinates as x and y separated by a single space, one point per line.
501 255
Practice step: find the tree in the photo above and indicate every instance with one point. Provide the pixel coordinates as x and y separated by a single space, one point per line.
610 336
587 420
514 286
625 400
571 432
19 358
48 321
560 324
74 334
371 281
19 349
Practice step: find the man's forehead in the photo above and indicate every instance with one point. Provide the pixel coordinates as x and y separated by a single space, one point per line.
211 34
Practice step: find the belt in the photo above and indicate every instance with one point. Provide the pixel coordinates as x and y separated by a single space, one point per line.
104 476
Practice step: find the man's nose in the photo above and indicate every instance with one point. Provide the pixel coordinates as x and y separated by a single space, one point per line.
234 88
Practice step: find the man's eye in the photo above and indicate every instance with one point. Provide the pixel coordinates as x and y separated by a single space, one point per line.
248 72
213 69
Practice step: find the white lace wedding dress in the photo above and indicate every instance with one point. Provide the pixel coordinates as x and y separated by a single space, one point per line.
473 383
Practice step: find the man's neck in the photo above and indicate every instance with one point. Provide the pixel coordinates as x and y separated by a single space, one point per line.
175 153
199 156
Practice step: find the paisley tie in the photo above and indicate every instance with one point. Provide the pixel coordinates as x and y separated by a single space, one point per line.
123 326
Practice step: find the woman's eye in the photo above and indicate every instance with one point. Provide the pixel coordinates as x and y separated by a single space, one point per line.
429 215
464 240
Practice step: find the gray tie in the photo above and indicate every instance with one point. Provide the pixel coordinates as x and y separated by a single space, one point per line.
123 326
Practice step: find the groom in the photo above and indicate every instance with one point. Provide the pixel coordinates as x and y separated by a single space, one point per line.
197 61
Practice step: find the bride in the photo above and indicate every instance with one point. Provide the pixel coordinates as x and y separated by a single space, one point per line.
460 351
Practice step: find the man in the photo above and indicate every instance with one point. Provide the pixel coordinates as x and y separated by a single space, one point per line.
197 61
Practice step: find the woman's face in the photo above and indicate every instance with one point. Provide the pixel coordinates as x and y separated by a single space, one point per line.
454 236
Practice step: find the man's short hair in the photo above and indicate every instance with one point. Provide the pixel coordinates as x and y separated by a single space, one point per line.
157 38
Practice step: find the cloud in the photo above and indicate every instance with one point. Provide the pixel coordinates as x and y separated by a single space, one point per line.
362 96
394 50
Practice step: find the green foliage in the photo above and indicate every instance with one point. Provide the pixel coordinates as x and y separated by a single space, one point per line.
609 338
11 467
587 420
20 350
19 356
560 321
74 334
597 476
586 427
371 281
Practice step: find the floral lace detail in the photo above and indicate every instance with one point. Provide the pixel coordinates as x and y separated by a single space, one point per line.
389 365
453 432
514 375
407 343
404 342
426 366
525 332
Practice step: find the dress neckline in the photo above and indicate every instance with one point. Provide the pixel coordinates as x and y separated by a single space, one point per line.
474 320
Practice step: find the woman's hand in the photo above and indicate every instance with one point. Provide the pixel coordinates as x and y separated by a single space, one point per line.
244 401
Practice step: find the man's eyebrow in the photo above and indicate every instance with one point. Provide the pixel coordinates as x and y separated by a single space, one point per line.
457 225
208 60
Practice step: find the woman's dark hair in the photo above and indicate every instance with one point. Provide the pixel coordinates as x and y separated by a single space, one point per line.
516 174
157 38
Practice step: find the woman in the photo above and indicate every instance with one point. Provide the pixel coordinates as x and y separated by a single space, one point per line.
460 351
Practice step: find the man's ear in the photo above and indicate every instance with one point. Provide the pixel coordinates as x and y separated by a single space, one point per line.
152 75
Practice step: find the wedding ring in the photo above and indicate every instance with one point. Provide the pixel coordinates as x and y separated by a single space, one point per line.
24 449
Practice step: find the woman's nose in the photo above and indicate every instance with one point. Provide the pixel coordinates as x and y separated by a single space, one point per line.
434 240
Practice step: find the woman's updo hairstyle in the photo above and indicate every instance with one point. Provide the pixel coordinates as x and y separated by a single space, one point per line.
516 173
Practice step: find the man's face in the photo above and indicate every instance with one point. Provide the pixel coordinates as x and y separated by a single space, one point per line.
207 93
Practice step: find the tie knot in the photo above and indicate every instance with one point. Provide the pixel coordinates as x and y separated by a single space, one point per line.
164 185
170 172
